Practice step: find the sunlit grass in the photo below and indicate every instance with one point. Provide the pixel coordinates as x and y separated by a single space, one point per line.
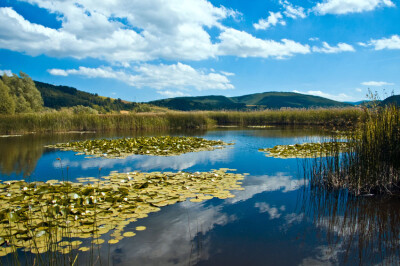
372 164
63 121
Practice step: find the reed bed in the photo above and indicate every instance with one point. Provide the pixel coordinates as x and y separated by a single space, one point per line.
372 164
331 116
63 121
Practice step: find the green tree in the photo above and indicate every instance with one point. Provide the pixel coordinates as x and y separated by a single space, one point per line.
31 93
26 96
7 104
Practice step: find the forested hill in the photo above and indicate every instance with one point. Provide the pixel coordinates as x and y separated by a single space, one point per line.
394 99
266 100
200 103
64 96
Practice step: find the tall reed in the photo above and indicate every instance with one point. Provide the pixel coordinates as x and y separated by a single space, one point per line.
372 165
64 121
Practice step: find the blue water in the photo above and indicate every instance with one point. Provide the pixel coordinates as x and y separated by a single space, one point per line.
269 223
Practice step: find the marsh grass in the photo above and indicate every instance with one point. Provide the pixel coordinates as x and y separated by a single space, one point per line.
64 121
372 164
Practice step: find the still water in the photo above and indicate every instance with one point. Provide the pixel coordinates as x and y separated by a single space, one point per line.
276 220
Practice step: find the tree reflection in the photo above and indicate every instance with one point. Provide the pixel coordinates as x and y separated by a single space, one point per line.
19 155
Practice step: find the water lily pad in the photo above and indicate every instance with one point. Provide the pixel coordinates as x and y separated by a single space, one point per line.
121 148
39 217
306 150
129 234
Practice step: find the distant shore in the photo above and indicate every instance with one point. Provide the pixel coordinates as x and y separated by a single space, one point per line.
64 122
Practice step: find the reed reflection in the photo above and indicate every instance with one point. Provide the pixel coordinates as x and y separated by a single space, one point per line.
358 229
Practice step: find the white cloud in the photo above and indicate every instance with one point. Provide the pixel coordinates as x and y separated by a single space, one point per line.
160 77
243 44
5 71
126 31
339 97
340 7
117 31
58 72
227 73
291 11
314 39
172 94
385 43
358 89
376 83
327 49
272 20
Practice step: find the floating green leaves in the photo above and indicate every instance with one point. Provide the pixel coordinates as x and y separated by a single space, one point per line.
120 148
40 217
306 150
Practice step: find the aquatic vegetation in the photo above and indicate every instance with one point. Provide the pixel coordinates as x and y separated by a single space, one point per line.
64 122
59 216
120 148
372 164
306 150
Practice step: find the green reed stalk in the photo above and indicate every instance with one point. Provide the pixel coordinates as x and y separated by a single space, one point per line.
63 121
372 166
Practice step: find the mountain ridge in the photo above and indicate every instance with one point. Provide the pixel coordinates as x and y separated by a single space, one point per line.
263 100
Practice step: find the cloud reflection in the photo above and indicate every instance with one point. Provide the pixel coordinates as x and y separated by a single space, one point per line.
177 234
147 163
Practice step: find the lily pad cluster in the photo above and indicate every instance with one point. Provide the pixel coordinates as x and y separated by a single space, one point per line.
58 216
306 150
123 147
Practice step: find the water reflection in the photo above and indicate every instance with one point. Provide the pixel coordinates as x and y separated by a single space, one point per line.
147 163
266 224
19 155
358 230
182 234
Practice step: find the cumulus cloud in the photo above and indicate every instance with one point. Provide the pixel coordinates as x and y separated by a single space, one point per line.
340 7
339 97
391 43
117 31
160 77
126 31
5 71
272 20
292 11
243 44
376 83
327 49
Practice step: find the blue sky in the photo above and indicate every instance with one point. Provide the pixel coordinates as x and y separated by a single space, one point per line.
144 50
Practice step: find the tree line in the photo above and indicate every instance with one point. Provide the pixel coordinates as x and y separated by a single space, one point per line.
19 95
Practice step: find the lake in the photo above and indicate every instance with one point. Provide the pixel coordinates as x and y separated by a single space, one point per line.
276 220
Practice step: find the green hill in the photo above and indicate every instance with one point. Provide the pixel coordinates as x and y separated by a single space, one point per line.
64 96
266 100
395 99
200 103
